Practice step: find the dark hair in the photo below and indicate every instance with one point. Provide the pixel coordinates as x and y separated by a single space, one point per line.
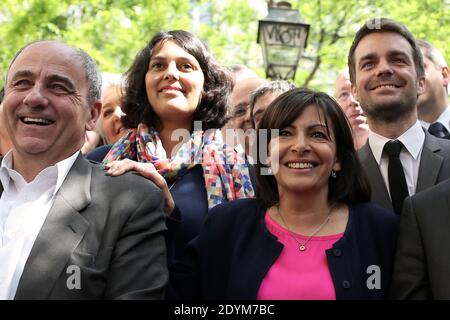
217 86
2 94
351 184
377 25
93 77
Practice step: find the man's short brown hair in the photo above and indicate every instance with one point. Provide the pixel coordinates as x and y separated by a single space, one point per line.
385 25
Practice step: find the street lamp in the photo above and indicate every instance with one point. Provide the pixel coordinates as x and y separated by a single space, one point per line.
282 36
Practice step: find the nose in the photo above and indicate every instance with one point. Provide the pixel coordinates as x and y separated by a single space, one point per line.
118 113
300 144
247 120
353 101
36 97
172 72
384 68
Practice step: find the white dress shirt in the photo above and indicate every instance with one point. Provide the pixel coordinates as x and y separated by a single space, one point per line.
444 118
413 140
23 210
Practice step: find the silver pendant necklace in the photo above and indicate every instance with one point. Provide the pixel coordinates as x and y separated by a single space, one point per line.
302 245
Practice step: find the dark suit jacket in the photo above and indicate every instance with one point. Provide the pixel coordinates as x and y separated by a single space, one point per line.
111 228
234 251
434 168
422 265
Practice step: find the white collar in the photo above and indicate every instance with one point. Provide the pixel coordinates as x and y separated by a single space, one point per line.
412 139
57 172
444 119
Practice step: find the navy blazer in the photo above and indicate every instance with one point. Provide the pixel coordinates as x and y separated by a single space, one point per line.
234 251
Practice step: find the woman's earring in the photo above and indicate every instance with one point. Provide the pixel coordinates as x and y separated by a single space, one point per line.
333 174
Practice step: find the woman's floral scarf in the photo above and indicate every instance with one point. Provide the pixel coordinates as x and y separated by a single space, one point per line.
225 171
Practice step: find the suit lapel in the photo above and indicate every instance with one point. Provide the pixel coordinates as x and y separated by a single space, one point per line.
60 235
380 194
430 163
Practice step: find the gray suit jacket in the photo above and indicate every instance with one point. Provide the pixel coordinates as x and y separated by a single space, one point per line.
111 230
434 168
422 263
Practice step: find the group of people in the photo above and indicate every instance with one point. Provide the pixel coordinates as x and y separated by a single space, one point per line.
169 208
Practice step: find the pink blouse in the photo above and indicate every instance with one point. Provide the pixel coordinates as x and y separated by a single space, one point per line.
298 275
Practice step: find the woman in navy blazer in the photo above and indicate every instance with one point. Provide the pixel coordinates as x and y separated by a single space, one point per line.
310 234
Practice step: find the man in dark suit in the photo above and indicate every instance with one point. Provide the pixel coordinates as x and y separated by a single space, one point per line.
387 75
422 263
432 106
68 231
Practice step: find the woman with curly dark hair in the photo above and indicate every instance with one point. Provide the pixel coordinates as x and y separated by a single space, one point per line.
175 99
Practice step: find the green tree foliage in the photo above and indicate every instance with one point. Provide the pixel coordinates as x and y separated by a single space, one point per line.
334 23
112 31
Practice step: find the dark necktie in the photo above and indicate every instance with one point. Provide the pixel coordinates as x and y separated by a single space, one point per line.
396 176
437 129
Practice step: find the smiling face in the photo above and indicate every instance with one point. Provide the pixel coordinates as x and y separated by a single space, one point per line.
111 115
46 107
386 82
307 154
174 83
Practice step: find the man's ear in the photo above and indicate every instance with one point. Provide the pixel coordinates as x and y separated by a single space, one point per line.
445 76
94 115
420 85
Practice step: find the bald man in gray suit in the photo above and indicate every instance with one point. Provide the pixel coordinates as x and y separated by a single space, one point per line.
68 231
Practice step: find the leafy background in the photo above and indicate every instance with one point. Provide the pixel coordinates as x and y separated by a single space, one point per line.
112 31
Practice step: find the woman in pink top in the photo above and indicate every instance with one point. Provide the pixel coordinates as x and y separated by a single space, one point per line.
311 233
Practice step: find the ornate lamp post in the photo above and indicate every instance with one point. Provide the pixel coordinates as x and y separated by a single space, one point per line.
283 37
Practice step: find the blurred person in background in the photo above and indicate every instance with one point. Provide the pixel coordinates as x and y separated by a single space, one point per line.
263 96
239 72
5 141
351 108
238 116
111 124
432 106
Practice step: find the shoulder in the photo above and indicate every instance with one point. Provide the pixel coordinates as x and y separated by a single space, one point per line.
238 211
129 185
98 154
433 195
249 204
373 215
364 152
442 146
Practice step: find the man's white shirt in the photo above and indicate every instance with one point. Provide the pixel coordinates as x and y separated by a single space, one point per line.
23 210
413 140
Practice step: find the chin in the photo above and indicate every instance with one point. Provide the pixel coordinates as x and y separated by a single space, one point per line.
390 110
33 149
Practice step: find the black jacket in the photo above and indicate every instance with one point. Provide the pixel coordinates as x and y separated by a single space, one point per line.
234 251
